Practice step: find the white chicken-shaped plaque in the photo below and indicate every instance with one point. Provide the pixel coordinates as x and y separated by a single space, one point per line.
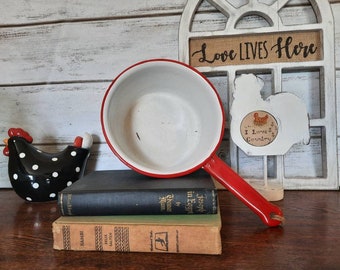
265 127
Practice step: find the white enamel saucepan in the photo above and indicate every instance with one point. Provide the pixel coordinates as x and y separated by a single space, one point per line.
162 118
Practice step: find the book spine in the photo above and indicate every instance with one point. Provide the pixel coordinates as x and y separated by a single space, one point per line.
137 238
154 202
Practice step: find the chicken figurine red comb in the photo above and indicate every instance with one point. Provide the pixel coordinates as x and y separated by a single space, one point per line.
38 176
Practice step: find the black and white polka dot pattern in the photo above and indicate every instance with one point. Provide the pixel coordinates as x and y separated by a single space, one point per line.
39 176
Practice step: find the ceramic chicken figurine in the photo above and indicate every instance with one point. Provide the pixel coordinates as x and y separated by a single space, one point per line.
39 176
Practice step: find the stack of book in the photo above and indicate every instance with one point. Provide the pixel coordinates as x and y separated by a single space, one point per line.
124 211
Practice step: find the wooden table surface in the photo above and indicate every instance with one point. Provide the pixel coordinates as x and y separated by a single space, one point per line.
310 239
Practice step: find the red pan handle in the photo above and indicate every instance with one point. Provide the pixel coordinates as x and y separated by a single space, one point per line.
269 213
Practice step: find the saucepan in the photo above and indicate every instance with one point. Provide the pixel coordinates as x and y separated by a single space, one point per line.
163 118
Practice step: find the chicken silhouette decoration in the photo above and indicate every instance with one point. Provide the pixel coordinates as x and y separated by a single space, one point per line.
263 127
266 127
38 176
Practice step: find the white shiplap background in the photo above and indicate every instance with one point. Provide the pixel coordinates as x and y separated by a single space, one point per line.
58 57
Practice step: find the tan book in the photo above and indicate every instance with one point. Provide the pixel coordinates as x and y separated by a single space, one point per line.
196 234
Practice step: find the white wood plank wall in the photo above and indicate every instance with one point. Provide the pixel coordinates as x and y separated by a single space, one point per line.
58 57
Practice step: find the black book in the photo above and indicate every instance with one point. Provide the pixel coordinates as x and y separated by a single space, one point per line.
126 192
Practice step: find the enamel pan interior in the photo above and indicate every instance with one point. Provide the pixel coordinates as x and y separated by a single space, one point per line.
162 118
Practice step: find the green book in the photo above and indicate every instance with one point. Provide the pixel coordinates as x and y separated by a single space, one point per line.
126 192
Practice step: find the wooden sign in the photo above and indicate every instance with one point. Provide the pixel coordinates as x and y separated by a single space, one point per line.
231 45
261 48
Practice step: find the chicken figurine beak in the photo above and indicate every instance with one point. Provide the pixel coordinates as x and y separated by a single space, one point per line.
38 176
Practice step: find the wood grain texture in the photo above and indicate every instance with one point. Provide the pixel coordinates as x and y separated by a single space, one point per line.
58 57
22 12
309 239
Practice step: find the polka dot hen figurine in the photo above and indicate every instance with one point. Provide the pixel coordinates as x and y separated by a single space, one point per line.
38 176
